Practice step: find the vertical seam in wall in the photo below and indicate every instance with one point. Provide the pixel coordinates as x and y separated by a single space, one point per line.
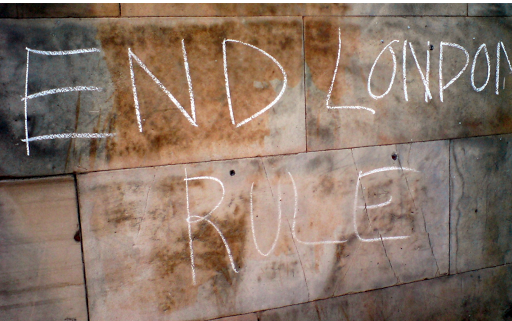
81 243
449 206
467 9
304 81
120 13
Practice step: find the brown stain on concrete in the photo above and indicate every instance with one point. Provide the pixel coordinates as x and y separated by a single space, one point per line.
167 134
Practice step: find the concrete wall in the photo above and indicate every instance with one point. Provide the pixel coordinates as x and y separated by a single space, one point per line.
255 162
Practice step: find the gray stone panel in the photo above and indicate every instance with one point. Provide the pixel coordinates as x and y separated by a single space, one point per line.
389 117
8 10
479 295
481 210
490 9
386 9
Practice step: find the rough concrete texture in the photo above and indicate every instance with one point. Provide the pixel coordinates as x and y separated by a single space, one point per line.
41 272
204 131
480 209
296 228
393 115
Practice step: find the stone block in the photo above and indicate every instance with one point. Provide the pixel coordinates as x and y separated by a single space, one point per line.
210 9
479 295
215 239
481 228
490 9
8 10
356 94
148 92
41 271
389 9
68 10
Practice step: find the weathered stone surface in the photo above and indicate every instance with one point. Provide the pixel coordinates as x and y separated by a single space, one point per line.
168 136
41 272
63 10
490 9
211 9
481 229
137 241
290 9
414 206
389 9
480 295
464 112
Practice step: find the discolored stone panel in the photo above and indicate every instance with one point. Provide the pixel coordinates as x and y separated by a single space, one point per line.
172 69
211 9
481 170
41 271
349 108
385 9
217 239
64 10
490 9
479 295
8 10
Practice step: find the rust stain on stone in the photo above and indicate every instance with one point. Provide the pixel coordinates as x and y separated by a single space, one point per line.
321 47
167 135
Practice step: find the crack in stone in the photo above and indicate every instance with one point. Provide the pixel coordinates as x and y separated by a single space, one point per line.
438 272
145 207
266 176
389 261
298 255
458 209
317 311
370 223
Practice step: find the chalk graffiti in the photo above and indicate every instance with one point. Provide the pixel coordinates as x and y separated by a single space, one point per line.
196 219
54 91
191 117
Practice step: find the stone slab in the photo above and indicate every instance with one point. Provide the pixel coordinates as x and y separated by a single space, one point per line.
210 9
41 271
479 295
481 228
388 117
490 9
262 233
385 9
290 9
8 10
169 134
67 10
